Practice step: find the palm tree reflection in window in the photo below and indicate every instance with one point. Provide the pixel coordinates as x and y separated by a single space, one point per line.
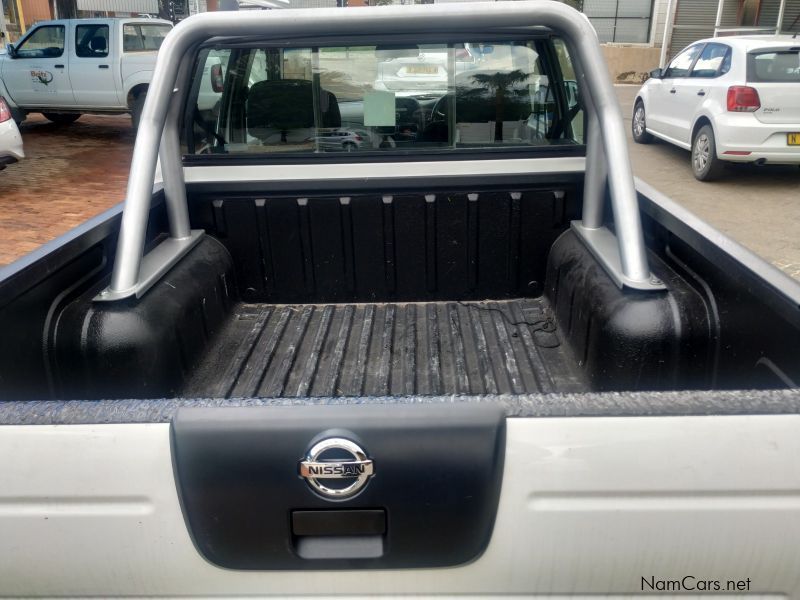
511 99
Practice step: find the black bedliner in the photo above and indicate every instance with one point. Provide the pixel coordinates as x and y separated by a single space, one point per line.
428 348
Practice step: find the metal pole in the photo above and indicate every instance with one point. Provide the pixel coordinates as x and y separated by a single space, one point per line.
669 22
594 183
718 22
172 173
781 11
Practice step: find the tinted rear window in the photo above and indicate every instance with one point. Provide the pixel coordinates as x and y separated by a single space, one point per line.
774 66
371 99
143 37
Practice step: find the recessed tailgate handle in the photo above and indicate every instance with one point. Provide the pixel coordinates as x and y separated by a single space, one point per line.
338 522
331 534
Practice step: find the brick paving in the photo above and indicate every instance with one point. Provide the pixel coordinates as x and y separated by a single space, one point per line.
70 174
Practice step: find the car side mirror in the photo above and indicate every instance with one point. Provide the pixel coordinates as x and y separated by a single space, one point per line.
12 53
656 74
217 79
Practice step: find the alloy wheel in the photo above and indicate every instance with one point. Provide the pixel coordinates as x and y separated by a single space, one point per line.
701 152
638 121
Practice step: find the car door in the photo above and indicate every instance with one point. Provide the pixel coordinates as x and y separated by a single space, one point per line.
669 96
693 90
92 70
38 74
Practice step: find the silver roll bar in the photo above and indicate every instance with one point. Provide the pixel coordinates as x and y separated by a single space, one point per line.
623 255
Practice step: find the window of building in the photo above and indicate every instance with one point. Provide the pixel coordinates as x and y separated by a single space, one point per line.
621 21
91 41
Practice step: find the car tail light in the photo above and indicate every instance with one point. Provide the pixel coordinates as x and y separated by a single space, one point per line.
358 138
5 112
742 98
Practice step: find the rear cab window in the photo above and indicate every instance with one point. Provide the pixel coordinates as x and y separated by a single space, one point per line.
411 99
143 37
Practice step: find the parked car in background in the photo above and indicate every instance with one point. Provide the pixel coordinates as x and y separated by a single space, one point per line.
726 99
65 68
347 140
422 70
10 140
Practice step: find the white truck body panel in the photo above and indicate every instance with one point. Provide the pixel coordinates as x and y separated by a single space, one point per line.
588 505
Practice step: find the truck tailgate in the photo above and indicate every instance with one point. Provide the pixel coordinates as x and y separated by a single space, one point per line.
588 505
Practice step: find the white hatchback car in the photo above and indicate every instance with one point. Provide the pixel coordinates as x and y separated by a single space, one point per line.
726 99
10 139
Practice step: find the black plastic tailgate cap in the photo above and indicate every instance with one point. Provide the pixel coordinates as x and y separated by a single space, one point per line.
437 477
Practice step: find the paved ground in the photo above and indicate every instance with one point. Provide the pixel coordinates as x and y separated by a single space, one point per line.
75 172
757 206
71 173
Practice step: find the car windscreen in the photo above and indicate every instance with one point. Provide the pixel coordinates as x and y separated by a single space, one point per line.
774 66
406 98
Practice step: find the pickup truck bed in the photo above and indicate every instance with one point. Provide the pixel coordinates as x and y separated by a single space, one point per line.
397 349
491 293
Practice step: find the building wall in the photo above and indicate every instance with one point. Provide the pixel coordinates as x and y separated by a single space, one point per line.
119 6
768 15
628 64
695 19
35 11
659 18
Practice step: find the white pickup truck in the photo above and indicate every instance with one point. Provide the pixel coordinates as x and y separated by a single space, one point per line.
69 67
478 362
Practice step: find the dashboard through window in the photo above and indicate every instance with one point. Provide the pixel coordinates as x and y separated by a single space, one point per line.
381 98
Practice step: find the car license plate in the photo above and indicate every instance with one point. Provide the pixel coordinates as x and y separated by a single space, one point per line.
793 139
422 69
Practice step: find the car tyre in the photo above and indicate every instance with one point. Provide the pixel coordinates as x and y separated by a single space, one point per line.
61 118
136 110
705 164
639 125
350 147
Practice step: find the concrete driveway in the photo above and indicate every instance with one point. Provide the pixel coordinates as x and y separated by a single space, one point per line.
757 206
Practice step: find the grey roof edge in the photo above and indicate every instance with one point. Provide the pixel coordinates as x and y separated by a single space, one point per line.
607 404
